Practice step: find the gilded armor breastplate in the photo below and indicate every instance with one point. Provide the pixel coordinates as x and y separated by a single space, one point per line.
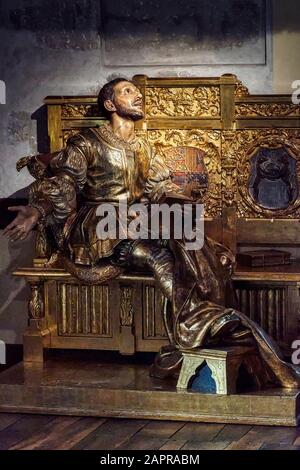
115 171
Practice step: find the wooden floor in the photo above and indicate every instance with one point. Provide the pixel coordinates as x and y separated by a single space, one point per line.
55 432
20 431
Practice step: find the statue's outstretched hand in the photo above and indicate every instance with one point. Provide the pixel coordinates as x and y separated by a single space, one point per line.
24 222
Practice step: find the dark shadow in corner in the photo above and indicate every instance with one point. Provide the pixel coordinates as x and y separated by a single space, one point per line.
43 141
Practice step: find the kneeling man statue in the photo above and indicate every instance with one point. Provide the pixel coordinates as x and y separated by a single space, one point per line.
111 164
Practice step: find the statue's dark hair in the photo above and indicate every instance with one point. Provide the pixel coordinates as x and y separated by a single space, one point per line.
107 93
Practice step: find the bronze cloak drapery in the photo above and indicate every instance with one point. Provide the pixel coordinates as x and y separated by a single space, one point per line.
199 296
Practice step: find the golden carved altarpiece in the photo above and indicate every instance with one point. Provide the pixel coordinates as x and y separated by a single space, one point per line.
220 117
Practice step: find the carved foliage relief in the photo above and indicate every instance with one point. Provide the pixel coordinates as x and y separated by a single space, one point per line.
79 110
189 102
244 166
266 109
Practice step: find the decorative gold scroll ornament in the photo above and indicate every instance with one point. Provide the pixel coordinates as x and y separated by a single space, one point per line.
79 110
183 102
237 150
266 109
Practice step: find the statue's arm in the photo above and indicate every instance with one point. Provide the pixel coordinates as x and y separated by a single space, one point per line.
56 196
159 182
53 198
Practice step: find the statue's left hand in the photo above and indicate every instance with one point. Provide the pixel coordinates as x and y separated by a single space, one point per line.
24 222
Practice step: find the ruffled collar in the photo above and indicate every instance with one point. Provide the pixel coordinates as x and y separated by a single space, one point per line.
107 133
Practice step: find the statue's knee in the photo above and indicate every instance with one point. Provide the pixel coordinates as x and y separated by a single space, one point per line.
225 325
140 256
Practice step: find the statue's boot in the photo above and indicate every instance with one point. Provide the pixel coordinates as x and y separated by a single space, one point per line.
167 362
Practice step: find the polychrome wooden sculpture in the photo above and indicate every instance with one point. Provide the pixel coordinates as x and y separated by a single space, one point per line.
111 164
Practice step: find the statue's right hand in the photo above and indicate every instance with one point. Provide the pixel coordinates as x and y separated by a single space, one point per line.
24 222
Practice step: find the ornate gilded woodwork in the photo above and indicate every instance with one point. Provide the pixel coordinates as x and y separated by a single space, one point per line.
67 133
191 103
84 310
266 109
36 302
126 306
237 150
82 316
241 90
272 304
179 102
153 301
266 306
210 143
79 110
221 118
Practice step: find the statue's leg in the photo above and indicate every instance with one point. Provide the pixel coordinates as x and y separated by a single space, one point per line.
151 255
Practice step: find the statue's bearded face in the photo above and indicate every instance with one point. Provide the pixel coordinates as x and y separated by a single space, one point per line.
128 101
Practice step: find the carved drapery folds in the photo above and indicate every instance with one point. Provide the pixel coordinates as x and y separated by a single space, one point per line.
67 133
42 245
